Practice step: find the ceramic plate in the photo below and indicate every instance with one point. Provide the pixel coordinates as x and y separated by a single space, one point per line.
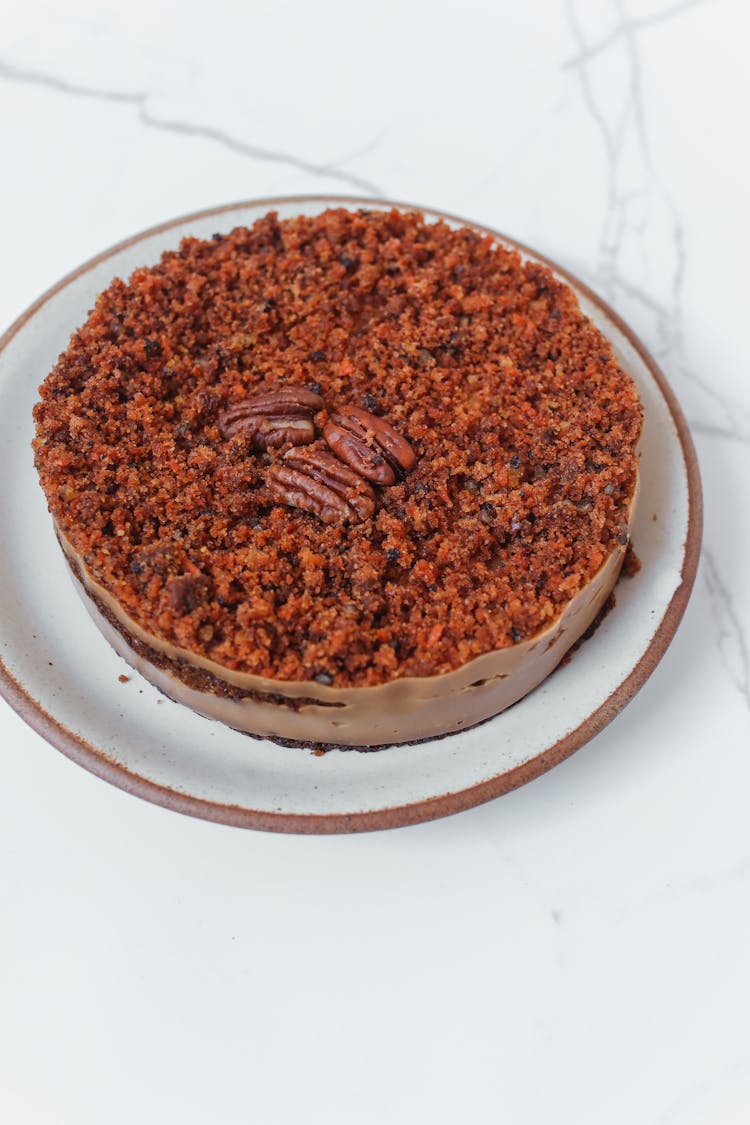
61 676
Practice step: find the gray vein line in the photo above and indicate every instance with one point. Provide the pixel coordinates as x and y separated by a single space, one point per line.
671 325
698 1091
639 294
611 142
588 92
615 224
636 86
678 277
731 632
361 150
616 227
713 429
587 53
632 108
738 426
208 132
670 329
38 78
668 315
12 73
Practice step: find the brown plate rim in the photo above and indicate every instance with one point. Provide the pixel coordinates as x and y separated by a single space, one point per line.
95 761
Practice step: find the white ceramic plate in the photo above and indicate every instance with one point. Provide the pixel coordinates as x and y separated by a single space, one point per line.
62 677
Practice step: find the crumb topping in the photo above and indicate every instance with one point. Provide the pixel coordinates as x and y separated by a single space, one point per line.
524 428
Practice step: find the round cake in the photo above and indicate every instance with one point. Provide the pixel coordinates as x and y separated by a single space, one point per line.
350 479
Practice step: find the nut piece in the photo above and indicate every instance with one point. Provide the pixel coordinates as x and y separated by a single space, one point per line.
273 416
369 445
319 483
187 592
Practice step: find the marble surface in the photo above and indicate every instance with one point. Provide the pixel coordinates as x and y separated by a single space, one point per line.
576 951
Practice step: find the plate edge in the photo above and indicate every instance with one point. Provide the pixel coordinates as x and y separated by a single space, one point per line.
431 808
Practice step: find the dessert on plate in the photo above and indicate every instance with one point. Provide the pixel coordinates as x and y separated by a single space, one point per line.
350 479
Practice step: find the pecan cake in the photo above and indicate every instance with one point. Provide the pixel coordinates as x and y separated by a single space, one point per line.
352 479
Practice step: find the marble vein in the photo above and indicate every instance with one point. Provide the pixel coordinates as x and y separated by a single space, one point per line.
139 100
729 418
588 52
718 414
732 642
698 1094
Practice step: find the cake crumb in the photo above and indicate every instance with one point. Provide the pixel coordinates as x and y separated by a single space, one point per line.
524 425
632 563
124 679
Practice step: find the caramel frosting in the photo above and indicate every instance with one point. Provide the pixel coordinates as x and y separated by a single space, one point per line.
404 710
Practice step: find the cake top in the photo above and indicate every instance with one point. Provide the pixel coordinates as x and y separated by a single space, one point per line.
522 427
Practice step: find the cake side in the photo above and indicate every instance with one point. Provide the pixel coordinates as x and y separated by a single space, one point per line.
405 710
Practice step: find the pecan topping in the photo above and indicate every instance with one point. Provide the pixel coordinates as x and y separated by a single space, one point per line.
273 416
321 484
369 445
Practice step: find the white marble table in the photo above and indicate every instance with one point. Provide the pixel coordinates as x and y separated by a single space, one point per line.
579 950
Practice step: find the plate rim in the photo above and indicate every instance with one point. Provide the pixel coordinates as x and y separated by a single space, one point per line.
84 754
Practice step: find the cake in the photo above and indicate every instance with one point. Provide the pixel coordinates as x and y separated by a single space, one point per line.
351 479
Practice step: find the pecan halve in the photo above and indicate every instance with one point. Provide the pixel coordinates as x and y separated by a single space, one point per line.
273 416
321 484
369 445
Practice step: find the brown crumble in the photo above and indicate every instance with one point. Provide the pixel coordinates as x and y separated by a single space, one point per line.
524 427
631 564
